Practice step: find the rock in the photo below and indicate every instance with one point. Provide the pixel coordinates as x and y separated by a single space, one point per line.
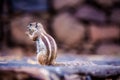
115 16
58 4
37 72
108 49
90 13
18 27
94 67
105 3
104 32
68 30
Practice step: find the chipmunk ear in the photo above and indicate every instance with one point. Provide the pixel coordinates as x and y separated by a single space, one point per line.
39 24
36 25
30 24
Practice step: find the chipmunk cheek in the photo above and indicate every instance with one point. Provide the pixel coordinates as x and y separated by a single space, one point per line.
34 36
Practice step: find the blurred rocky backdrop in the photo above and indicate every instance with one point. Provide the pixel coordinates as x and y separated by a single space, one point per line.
84 26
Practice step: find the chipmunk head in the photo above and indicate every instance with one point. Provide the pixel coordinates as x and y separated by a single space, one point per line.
33 29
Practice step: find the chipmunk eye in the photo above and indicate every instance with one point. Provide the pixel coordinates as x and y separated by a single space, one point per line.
30 24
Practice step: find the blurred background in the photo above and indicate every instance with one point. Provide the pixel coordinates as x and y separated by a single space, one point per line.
78 26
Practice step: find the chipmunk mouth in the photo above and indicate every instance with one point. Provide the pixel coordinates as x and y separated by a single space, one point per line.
30 35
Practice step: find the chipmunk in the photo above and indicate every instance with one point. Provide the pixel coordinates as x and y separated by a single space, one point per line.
47 47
